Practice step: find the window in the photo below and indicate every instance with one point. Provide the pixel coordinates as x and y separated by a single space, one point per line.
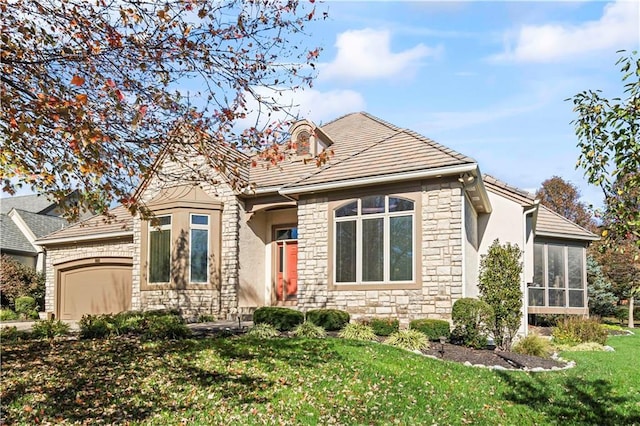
373 240
160 249
558 276
199 249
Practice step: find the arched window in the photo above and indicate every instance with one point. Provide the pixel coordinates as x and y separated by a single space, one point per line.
374 240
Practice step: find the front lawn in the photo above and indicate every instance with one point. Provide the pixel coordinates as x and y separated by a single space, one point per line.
298 381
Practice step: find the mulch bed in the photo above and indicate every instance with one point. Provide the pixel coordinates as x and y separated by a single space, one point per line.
489 358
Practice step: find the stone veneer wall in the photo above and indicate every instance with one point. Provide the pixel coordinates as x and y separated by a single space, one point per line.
61 254
441 245
223 301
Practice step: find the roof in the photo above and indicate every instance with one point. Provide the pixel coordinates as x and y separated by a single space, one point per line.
512 193
12 238
551 224
120 224
363 146
41 224
31 203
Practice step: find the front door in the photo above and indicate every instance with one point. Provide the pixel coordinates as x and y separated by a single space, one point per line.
286 265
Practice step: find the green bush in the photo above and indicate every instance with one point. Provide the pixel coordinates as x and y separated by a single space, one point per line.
12 334
8 315
309 330
95 326
533 345
574 330
432 328
283 319
165 327
48 329
206 318
329 319
26 307
586 347
471 320
412 340
622 314
357 331
263 331
383 326
18 280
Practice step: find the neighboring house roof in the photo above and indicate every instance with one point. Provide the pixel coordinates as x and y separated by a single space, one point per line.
551 224
364 146
120 224
512 193
12 238
30 203
40 224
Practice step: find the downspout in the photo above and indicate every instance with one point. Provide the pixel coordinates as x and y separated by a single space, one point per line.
525 292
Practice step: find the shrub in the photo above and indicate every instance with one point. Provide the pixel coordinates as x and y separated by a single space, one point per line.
283 319
329 319
48 329
206 318
533 345
18 280
12 334
309 330
383 326
95 327
586 347
263 331
412 340
26 307
622 314
165 327
602 299
357 331
574 330
432 328
8 315
499 285
471 319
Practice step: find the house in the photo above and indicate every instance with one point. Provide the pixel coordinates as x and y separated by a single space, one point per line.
394 224
23 220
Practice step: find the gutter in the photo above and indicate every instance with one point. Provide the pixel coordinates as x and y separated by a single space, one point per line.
64 240
566 236
441 171
525 290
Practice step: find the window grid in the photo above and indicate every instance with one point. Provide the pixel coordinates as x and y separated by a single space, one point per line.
566 289
358 218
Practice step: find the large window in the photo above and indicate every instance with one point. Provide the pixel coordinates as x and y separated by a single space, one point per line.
374 240
199 249
558 276
160 249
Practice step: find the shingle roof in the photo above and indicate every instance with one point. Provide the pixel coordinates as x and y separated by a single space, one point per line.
30 203
497 186
122 221
363 146
552 224
11 238
40 224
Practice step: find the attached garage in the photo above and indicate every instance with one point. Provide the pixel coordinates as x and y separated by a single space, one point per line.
93 286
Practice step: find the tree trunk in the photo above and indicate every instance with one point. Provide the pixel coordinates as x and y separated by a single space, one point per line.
631 324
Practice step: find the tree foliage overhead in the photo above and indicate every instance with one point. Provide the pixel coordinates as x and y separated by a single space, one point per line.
93 91
499 285
608 132
564 198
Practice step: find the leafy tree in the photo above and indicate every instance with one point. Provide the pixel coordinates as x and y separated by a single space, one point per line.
608 138
499 285
564 198
17 279
602 299
93 91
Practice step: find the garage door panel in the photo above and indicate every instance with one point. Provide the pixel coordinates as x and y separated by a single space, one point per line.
96 289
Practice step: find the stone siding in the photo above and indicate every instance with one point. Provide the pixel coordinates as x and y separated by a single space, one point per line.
441 261
61 254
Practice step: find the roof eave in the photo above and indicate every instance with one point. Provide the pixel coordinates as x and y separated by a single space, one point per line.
567 236
83 238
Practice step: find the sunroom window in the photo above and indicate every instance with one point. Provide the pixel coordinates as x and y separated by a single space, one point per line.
558 278
160 249
374 240
199 249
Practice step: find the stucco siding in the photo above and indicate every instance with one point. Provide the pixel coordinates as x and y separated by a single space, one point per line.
470 250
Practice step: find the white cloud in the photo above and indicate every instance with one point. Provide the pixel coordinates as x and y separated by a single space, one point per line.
618 28
309 103
366 54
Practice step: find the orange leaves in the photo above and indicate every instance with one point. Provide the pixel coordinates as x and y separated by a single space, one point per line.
77 80
81 99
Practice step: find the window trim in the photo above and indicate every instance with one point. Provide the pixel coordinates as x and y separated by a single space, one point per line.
386 283
207 228
152 228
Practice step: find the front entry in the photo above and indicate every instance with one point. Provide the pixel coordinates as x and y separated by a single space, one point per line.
286 265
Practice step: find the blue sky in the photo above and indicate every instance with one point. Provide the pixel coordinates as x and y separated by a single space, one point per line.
488 79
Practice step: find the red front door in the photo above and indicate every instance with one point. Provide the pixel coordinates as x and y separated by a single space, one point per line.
287 270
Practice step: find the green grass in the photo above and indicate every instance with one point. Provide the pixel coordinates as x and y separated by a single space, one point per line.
303 381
